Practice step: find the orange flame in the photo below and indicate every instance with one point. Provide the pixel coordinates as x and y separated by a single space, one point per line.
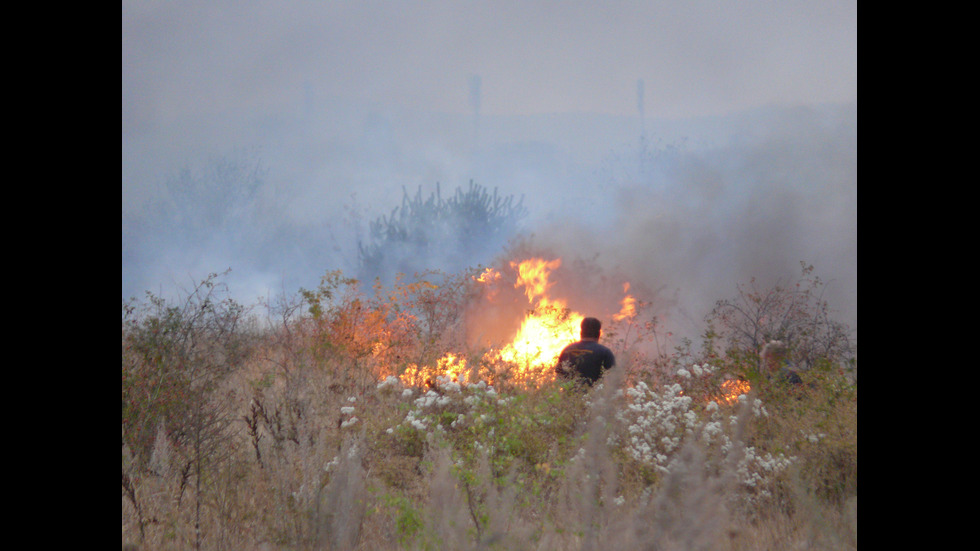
450 366
732 389
533 275
488 275
548 326
628 311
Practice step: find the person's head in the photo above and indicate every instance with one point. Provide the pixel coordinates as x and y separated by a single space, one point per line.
591 328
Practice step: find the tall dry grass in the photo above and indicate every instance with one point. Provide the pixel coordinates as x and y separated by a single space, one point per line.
323 452
299 475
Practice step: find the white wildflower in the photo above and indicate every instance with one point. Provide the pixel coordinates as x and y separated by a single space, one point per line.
711 430
391 380
348 422
690 419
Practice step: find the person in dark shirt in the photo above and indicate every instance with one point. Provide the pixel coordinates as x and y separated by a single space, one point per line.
585 359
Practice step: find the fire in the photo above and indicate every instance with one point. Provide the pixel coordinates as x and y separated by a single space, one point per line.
547 327
488 275
628 311
732 389
450 366
533 275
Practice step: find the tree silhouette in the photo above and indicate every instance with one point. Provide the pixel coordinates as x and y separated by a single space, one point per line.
436 233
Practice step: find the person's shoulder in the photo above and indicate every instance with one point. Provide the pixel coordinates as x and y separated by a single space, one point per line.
569 347
604 348
600 348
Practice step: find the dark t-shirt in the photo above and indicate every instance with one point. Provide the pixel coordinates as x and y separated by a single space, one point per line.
586 359
787 375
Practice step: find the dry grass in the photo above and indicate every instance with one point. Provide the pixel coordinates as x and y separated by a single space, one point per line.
322 454
301 479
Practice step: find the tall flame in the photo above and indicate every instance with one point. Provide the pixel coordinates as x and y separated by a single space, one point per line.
628 311
548 326
533 275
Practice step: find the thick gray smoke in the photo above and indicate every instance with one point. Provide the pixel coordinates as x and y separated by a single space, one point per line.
686 226
682 147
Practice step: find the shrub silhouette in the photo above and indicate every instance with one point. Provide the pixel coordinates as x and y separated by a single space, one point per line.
435 233
797 315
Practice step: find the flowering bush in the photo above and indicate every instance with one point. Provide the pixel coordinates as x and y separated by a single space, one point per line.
518 431
658 422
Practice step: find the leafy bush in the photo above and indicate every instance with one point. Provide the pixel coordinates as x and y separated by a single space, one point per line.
174 358
797 315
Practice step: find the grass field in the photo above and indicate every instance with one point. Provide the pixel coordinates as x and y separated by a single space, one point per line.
332 424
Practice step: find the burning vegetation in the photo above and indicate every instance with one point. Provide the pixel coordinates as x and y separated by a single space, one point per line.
426 331
439 393
527 357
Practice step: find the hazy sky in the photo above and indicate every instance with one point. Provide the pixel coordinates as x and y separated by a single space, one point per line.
382 86
191 58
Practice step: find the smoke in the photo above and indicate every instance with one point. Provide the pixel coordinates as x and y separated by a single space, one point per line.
691 225
736 158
